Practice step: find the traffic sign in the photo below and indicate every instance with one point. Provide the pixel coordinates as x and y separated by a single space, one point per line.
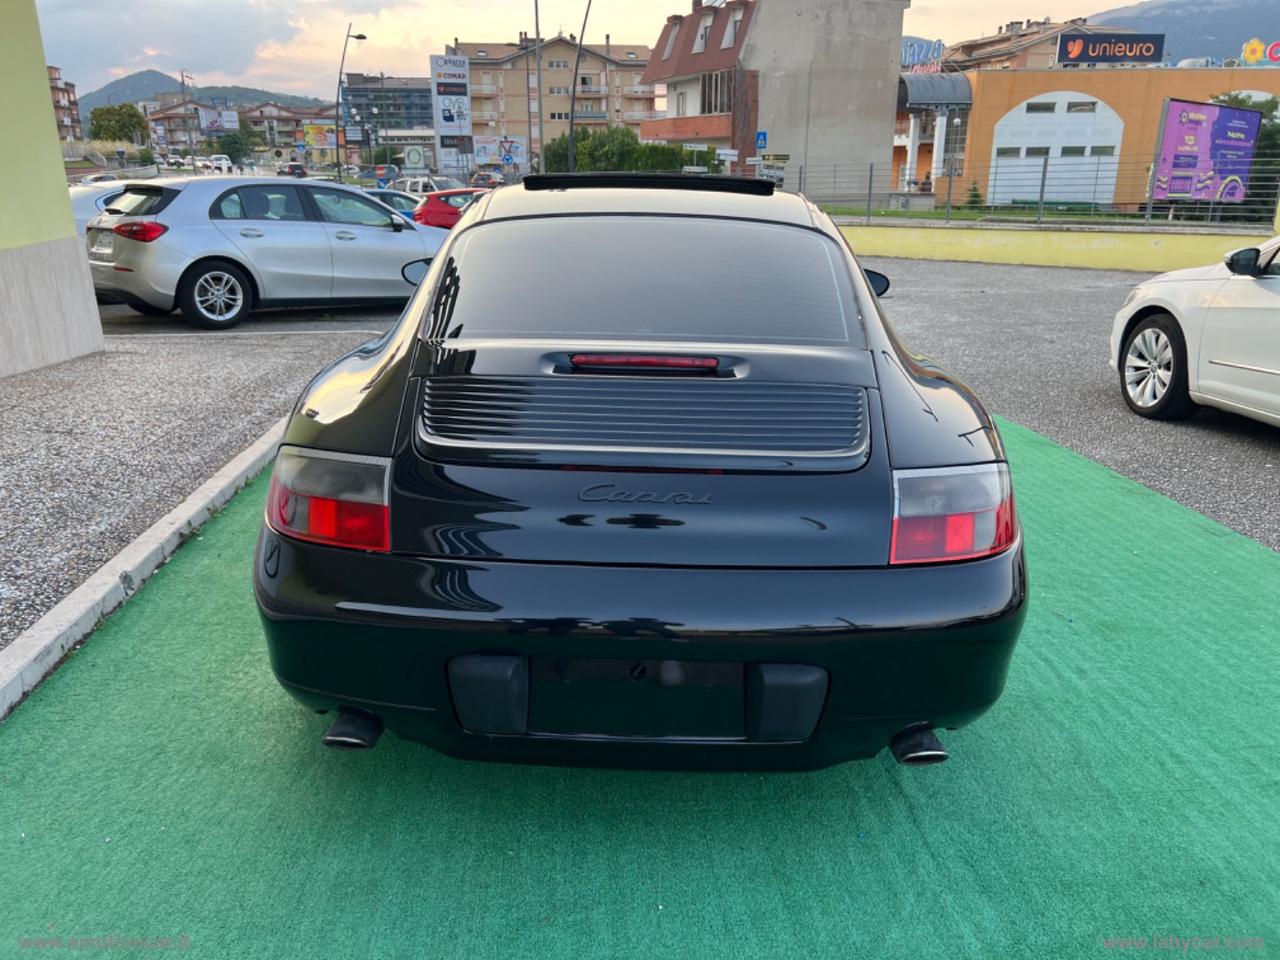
694 147
762 139
729 155
508 159
777 158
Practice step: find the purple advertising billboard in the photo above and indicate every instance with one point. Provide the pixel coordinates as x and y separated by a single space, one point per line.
1206 152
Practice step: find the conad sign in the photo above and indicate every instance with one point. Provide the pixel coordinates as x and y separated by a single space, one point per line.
1255 51
1110 48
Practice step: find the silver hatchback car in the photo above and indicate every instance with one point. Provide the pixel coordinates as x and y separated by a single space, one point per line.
219 247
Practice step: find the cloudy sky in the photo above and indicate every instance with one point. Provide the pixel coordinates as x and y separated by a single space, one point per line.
293 45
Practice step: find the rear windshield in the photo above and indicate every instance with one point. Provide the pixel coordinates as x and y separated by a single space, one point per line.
663 278
140 201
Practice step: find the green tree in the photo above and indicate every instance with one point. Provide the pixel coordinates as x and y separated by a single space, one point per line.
238 144
618 148
120 121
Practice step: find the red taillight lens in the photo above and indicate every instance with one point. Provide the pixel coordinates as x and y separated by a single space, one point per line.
954 513
144 231
643 360
336 499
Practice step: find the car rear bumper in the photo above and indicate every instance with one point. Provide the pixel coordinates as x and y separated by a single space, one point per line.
898 647
133 285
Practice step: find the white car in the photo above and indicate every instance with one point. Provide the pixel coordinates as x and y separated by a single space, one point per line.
89 200
220 162
1207 335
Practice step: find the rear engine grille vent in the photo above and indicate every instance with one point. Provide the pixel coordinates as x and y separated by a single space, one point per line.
722 417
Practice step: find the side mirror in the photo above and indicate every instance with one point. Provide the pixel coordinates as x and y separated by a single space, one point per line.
397 224
1243 262
879 282
415 271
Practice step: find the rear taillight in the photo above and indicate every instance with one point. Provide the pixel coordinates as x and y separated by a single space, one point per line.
952 513
144 231
332 498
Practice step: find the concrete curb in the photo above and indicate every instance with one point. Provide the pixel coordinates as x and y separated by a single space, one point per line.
35 653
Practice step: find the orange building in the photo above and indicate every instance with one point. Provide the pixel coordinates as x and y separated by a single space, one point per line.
1097 128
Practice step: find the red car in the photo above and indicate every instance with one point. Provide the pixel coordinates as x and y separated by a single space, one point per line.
444 207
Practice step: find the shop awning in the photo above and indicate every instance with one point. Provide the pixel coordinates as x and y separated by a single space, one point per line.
920 91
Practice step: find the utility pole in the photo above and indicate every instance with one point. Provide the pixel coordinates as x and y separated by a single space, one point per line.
537 44
573 91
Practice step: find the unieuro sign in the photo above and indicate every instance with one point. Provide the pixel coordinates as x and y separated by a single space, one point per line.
1255 52
1110 48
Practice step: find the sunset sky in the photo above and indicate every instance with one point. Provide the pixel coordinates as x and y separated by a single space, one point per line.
294 45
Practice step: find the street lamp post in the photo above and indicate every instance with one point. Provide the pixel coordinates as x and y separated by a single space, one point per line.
573 91
337 103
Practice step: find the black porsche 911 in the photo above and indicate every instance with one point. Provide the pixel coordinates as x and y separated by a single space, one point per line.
642 477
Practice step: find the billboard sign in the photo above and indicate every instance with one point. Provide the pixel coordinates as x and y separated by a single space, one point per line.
1206 152
922 56
451 105
1110 48
229 119
501 151
320 135
159 136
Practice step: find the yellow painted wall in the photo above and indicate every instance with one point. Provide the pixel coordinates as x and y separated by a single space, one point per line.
1099 250
34 204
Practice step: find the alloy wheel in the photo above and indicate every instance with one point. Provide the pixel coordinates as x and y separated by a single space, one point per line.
1148 367
218 295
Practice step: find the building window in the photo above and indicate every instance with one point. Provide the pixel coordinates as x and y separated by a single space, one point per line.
557 64
1042 106
482 53
1003 153
731 31
717 92
1073 151
1102 151
704 31
631 55
1037 152
671 42
681 104
1083 106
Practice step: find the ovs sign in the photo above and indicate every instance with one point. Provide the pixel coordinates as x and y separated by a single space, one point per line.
1255 51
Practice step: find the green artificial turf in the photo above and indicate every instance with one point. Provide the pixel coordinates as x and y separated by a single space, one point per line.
1127 785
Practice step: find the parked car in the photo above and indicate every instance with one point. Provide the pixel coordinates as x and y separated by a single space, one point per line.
395 199
443 209
426 183
203 163
292 169
97 178
486 178
564 513
88 200
220 162
1205 336
217 248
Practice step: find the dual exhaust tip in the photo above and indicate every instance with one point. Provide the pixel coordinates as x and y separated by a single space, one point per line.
916 746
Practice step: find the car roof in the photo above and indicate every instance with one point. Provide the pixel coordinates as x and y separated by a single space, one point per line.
519 201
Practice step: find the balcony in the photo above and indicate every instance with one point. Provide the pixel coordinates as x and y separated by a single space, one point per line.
643 115
640 90
484 90
586 91
590 115
484 114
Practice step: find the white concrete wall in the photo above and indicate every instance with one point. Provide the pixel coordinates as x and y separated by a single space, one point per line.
828 74
47 309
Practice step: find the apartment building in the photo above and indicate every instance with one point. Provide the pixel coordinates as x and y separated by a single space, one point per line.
66 109
611 90
811 82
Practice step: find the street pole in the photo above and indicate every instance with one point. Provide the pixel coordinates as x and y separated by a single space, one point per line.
573 91
537 45
337 102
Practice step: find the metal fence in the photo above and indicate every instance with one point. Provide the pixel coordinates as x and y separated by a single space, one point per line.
1039 189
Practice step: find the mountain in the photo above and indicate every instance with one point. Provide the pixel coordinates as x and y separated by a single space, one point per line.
1199 28
147 84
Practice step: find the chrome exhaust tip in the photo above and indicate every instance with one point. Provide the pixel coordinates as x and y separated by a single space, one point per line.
918 746
353 730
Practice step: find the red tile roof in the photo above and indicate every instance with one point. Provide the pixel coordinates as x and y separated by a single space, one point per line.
683 62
